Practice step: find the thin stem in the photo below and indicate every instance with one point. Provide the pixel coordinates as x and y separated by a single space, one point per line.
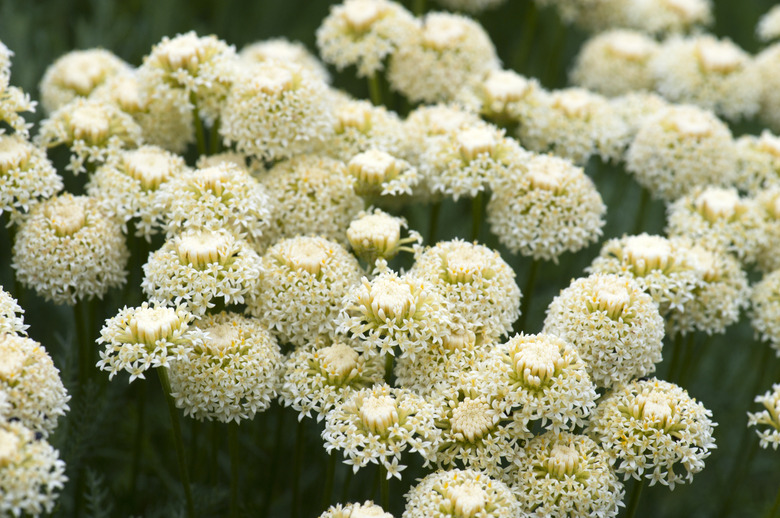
476 215
529 28
525 303
162 373
139 435
329 475
216 143
199 135
553 65
677 346
375 90
234 464
83 342
434 219
639 220
389 359
300 444
633 505
347 483
214 450
775 510
687 369
384 488
269 489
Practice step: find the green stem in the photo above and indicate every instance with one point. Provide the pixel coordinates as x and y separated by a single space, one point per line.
687 370
384 488
347 483
199 135
476 215
639 220
553 65
269 488
529 28
139 435
375 90
162 373
419 7
389 360
775 510
434 222
216 143
214 450
83 342
677 346
329 475
234 464
300 444
525 303
633 505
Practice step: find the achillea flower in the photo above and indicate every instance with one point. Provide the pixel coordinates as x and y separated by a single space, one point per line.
377 234
574 123
162 119
281 49
392 312
425 122
276 110
367 509
719 218
11 315
549 208
769 202
722 293
32 384
566 475
202 67
475 283
149 336
197 267
758 162
636 107
315 196
768 27
710 73
770 417
224 196
301 286
26 176
363 33
321 375
615 63
380 174
229 376
680 148
765 309
435 61
767 62
77 74
458 494
659 265
540 378
465 162
94 130
67 250
377 425
654 429
359 126
128 188
475 431
13 101
503 96
614 326
31 472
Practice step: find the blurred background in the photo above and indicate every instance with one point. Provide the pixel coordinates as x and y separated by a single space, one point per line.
740 480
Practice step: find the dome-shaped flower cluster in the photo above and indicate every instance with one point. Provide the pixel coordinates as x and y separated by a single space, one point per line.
769 417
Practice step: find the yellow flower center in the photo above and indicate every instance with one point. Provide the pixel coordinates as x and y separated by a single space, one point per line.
378 413
563 461
463 264
273 80
9 446
441 33
468 499
361 14
656 409
147 325
373 167
376 234
82 74
573 103
202 248
11 363
67 216
353 115
476 141
126 94
547 175
769 143
14 152
630 46
307 255
719 56
458 340
472 419
90 123
391 299
715 204
338 360
506 87
690 123
536 361
182 52
150 167
645 253
611 297
704 262
223 338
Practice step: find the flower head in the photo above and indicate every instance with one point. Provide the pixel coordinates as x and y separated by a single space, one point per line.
613 324
31 384
367 509
503 96
654 429
769 204
77 74
758 162
231 374
197 267
363 33
149 336
768 417
280 49
301 286
460 494
765 309
377 234
85 252
11 315
566 475
321 375
546 209
377 425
